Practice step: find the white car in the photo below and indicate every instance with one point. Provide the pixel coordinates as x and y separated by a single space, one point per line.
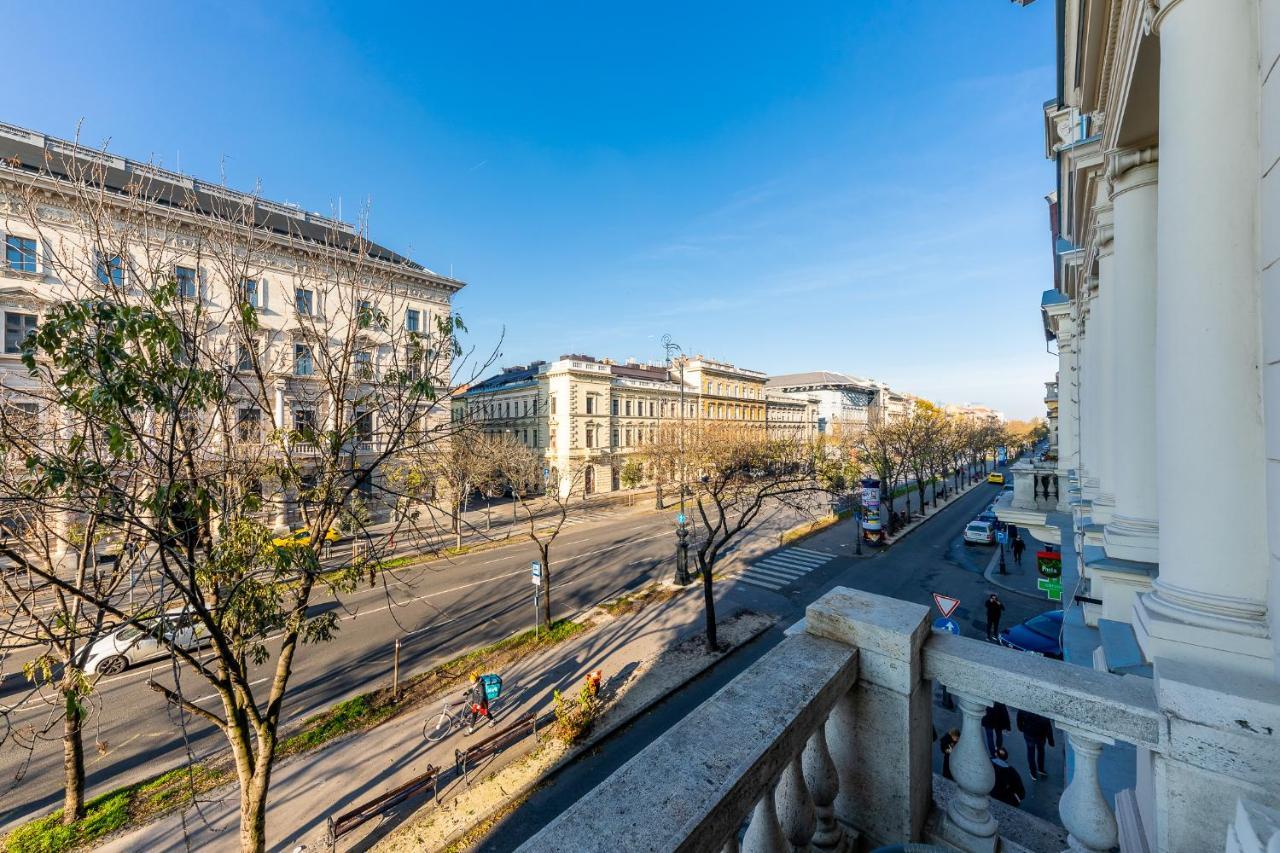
979 532
150 639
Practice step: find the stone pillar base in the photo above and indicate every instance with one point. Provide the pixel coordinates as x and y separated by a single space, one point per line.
1215 630
1128 538
1103 509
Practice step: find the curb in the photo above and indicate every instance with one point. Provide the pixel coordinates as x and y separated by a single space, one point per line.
989 576
599 735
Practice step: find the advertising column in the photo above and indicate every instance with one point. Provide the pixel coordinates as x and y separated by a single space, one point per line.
871 510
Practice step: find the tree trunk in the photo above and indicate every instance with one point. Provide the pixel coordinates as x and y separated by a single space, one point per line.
709 608
544 551
72 758
253 812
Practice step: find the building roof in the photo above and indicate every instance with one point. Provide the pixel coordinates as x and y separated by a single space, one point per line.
36 153
818 380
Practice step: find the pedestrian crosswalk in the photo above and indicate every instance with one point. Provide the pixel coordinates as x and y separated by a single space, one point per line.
783 567
588 517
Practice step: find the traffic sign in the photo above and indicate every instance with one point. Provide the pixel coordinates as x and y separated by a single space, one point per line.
946 626
535 568
946 604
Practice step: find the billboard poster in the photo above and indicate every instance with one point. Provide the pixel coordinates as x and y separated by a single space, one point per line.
1002 455
870 504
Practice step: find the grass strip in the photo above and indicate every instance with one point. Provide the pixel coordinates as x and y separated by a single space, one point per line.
136 805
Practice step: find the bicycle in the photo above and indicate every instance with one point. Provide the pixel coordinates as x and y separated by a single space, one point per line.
436 730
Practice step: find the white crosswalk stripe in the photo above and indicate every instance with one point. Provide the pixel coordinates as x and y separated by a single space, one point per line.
784 567
584 517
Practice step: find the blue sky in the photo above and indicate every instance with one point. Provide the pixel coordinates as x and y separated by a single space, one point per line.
848 186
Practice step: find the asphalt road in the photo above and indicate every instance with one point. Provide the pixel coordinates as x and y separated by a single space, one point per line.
932 558
436 611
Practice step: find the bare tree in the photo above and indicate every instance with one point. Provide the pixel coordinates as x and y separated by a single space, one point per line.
158 347
738 473
878 446
542 500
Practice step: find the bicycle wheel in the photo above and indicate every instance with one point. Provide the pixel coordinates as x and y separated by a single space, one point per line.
436 729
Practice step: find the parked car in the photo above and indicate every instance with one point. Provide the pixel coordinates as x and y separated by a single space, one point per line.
1041 635
148 640
980 533
989 516
301 537
996 477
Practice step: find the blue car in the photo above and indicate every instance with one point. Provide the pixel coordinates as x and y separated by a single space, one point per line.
1041 635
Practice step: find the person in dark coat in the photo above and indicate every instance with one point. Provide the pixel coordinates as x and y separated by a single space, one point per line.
1036 731
994 724
1008 787
947 743
995 607
1018 547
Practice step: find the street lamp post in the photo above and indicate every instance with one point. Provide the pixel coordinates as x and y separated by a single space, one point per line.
682 529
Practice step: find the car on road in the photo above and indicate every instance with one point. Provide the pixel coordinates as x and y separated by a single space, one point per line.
1041 635
996 477
149 639
989 516
980 533
302 537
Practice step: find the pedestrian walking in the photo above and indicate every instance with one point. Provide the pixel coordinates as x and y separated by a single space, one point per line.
946 744
1018 547
477 699
1036 731
995 607
1008 787
994 724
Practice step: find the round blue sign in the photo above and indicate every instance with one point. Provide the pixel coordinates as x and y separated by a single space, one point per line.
946 626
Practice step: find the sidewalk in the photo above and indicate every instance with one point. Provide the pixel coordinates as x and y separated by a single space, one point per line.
308 788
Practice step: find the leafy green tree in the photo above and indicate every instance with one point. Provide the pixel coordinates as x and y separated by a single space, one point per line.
173 427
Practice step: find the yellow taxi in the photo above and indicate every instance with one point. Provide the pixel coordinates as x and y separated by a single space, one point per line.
995 477
302 537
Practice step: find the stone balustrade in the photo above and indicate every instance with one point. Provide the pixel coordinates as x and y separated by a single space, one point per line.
825 744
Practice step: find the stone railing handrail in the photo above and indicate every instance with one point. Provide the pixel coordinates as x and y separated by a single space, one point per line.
746 751
1117 706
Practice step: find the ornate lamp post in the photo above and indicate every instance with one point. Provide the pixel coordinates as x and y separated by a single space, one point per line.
682 528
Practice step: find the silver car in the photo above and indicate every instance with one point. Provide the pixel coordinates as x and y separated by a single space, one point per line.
147 640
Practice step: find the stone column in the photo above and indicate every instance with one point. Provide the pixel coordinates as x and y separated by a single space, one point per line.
1211 594
1103 377
1087 338
1133 530
278 410
1068 401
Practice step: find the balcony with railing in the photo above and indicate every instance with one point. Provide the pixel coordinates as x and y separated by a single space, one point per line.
1038 492
825 744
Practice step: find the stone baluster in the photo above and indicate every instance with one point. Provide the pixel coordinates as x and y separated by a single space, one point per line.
1084 810
824 783
796 811
969 824
764 833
